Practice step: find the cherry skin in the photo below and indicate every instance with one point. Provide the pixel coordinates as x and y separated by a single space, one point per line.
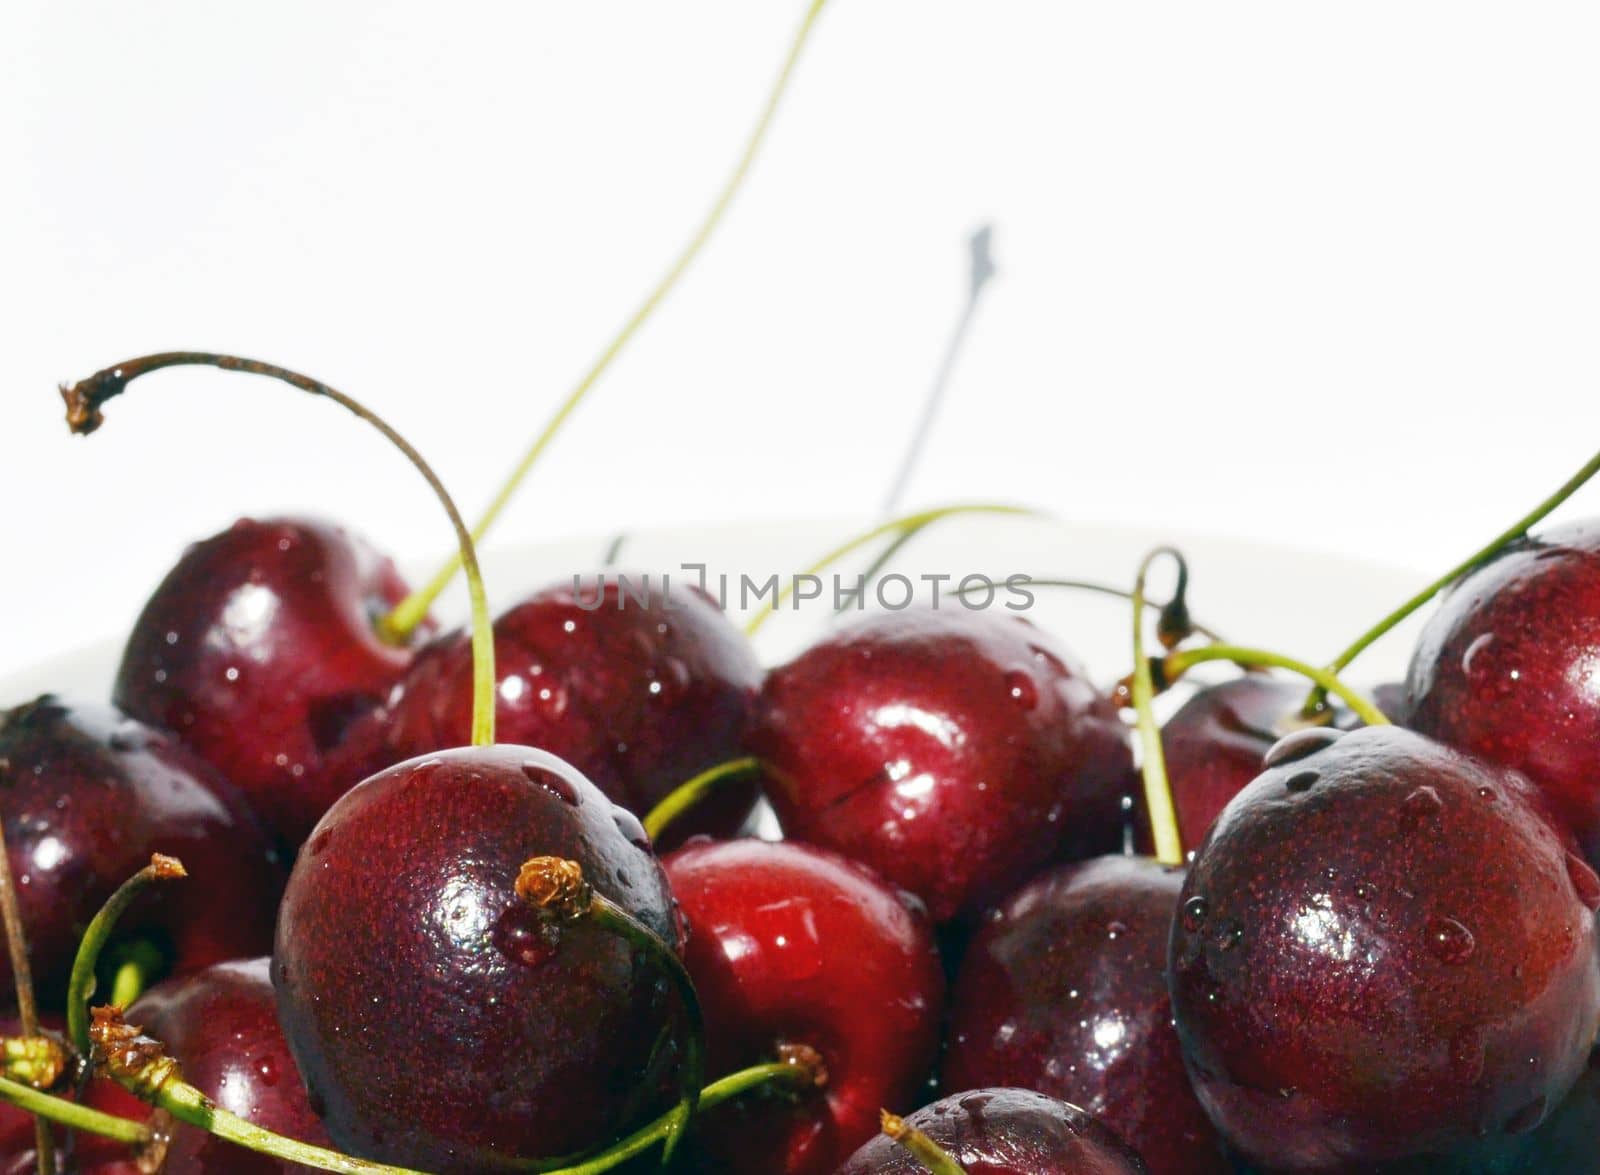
1509 670
1382 951
1064 990
87 796
790 944
439 1021
259 651
953 751
1004 1132
639 694
222 1026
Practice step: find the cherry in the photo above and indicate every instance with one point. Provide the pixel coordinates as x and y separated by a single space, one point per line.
259 650
953 751
1509 669
1063 990
438 1019
1383 950
1003 1132
87 796
222 1025
791 945
637 687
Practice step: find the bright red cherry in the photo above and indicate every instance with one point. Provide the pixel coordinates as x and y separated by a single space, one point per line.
638 688
260 651
1509 670
953 751
1004 1132
794 945
87 796
439 1019
1063 990
1382 951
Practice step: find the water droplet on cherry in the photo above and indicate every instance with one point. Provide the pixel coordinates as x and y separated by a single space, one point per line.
1449 941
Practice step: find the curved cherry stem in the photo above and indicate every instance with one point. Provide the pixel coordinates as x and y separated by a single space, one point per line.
85 398
1179 663
1515 531
1086 585
919 1146
894 526
22 975
72 1115
1153 760
686 795
80 986
411 611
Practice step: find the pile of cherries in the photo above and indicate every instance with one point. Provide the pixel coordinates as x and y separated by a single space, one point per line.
402 939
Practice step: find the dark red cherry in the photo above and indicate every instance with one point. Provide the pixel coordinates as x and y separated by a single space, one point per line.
1509 669
1382 951
790 944
953 751
439 1020
222 1026
87 796
1064 990
638 687
259 651
1004 1132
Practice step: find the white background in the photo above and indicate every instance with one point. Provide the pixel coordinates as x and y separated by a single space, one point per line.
1326 275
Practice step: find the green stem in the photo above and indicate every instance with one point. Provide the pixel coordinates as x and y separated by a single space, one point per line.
919 1146
413 608
129 983
1084 585
1513 532
686 795
72 1115
80 985
85 399
895 526
1157 790
1179 663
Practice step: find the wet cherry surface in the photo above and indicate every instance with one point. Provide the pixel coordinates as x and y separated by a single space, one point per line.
955 752
790 944
1063 990
1382 951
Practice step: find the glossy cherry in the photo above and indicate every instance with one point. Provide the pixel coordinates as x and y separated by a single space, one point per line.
440 1022
1509 669
794 945
259 650
638 687
1064 990
1382 951
1004 1132
87 794
953 751
222 1026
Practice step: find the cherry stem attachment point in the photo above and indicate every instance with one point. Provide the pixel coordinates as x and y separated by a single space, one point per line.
1153 761
80 986
1179 663
1515 531
85 399
918 1145
686 795
22 978
410 612
895 526
39 1061
1085 585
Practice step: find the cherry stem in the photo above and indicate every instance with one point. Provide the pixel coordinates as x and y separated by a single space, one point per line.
1179 663
38 1061
72 1115
1085 585
1515 531
411 611
80 985
895 526
84 400
557 888
22 975
686 795
1153 761
919 1146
